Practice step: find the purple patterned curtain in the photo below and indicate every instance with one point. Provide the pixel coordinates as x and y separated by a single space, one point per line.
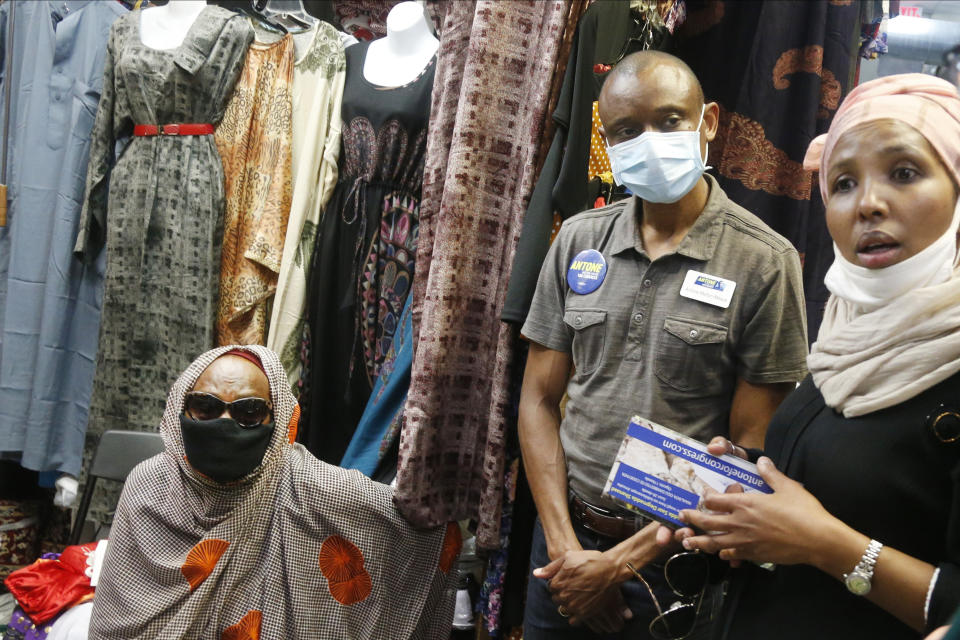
493 77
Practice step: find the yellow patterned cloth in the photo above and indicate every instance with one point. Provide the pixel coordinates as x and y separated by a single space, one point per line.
255 140
599 162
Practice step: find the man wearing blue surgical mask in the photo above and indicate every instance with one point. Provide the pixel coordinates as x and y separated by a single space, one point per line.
677 305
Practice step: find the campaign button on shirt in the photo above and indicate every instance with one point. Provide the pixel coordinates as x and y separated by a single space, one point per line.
587 271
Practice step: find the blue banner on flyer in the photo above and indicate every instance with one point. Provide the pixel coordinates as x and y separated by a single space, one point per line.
651 494
695 456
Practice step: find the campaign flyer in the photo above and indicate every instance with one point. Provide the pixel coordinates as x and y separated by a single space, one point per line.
659 472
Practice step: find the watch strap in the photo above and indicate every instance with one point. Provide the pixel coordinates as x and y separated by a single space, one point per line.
869 558
858 581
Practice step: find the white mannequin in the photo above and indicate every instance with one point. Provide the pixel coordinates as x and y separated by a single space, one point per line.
166 27
399 58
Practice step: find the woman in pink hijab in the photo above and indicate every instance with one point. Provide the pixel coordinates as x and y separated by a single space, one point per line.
864 457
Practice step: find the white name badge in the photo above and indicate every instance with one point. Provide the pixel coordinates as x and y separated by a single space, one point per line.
706 288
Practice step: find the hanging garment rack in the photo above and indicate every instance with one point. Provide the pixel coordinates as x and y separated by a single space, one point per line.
7 71
289 15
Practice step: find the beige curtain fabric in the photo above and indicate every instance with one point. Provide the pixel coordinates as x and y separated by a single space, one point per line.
318 78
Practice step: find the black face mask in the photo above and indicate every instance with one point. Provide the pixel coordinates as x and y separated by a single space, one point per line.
221 449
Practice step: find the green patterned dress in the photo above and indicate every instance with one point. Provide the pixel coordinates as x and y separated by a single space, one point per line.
156 204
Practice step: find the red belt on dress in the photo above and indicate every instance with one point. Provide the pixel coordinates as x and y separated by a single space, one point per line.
173 130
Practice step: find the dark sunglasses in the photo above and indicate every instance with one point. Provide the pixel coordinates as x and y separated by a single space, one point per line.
687 574
248 412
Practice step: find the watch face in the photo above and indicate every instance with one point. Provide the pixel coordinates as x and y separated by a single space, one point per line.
857 583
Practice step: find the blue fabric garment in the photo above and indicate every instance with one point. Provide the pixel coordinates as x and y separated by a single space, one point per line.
954 632
49 301
377 426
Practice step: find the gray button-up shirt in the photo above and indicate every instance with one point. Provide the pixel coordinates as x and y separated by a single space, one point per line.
639 347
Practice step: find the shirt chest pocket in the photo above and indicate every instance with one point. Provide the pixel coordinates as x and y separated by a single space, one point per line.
58 110
690 354
589 339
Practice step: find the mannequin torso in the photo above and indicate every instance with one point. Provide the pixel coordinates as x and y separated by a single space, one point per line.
165 27
409 46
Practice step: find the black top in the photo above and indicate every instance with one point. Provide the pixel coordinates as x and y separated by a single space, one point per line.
886 474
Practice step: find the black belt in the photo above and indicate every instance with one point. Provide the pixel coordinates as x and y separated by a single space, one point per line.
605 522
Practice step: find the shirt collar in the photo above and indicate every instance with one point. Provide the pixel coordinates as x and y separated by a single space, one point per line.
700 243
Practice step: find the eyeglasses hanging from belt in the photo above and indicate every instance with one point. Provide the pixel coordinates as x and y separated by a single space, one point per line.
687 574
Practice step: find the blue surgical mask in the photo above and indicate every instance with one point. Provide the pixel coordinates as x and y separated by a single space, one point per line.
659 167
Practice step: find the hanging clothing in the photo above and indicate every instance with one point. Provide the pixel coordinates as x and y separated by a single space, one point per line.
318 77
602 35
162 220
379 428
49 300
493 82
295 549
254 139
778 70
599 162
364 258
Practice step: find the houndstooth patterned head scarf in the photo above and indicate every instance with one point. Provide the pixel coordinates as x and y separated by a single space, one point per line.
295 549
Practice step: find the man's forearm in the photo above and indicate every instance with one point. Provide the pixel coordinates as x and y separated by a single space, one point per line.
752 407
546 470
639 549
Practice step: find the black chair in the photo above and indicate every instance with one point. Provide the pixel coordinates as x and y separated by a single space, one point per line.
118 452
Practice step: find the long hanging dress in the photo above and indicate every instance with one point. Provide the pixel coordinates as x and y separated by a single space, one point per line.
162 219
49 300
366 250
317 95
254 140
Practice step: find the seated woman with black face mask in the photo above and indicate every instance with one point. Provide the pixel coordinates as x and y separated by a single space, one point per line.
235 532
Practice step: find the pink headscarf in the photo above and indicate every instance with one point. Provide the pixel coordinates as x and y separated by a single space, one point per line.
926 103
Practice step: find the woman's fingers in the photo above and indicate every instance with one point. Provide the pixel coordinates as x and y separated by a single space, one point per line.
725 502
718 542
708 544
719 445
773 476
730 555
664 536
667 536
703 522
